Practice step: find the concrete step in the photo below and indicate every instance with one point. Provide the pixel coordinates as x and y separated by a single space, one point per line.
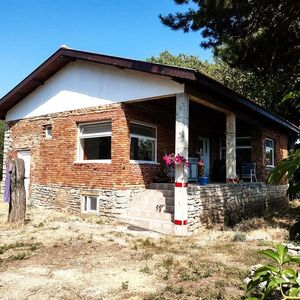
161 186
152 203
150 224
144 213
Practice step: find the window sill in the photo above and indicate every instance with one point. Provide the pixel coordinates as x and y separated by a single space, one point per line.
142 162
103 161
90 212
270 167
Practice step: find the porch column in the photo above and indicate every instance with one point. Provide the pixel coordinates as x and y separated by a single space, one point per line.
181 171
230 147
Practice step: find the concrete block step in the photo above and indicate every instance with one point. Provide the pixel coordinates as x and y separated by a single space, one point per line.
150 224
152 214
154 194
152 203
162 186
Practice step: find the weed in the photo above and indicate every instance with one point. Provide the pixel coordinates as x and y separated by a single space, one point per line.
239 237
125 285
19 256
146 270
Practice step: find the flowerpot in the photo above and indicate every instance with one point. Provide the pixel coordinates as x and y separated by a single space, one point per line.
203 180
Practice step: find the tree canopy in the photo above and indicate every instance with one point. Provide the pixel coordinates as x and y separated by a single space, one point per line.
257 36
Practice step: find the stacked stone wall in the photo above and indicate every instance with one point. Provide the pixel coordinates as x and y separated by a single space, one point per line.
111 202
230 203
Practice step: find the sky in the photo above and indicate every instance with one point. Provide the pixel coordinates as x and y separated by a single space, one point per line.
32 30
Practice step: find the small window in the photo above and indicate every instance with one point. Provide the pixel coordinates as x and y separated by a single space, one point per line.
95 142
269 153
142 143
90 204
48 132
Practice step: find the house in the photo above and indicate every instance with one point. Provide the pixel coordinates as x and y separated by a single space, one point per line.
92 130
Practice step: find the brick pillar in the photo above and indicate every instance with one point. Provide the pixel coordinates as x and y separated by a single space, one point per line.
181 171
230 147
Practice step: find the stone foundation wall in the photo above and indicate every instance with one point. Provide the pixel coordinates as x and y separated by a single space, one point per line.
112 202
230 203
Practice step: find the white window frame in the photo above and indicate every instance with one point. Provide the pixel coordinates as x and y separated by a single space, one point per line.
273 151
88 210
142 136
237 147
48 131
90 135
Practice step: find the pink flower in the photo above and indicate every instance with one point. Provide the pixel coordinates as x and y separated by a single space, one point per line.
201 162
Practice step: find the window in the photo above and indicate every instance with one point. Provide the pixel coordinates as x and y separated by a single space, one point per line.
48 132
243 150
95 142
90 204
142 143
269 153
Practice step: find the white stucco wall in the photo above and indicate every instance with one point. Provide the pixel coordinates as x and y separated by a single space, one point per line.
83 84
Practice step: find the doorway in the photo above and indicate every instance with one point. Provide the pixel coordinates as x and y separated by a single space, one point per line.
204 149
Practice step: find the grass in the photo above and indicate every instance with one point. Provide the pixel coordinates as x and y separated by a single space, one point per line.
211 265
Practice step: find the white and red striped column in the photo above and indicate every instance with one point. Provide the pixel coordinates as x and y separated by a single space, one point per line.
181 171
231 148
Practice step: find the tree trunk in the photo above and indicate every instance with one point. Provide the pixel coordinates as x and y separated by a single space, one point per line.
17 205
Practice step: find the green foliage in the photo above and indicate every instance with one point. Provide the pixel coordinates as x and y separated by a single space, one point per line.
275 279
268 90
257 36
288 168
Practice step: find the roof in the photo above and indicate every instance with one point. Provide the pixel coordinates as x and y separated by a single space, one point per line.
64 56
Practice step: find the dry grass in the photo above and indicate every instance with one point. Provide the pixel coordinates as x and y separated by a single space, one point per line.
60 256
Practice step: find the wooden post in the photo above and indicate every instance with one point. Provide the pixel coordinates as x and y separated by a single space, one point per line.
17 205
181 171
230 147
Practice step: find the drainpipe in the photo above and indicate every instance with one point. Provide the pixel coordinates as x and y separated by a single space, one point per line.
181 171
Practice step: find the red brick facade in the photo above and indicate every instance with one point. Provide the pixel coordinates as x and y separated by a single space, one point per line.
54 160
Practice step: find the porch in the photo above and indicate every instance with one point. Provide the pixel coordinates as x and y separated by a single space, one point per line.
226 138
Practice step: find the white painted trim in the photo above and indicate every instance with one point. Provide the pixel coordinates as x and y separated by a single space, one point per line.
89 211
273 152
80 136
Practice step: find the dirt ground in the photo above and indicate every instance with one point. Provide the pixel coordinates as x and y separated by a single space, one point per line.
60 256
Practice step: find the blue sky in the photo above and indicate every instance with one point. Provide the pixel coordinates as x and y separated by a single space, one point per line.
31 30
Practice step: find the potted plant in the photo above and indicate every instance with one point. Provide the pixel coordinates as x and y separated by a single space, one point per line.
171 160
202 179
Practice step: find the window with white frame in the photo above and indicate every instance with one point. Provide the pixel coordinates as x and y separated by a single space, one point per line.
142 143
94 142
48 131
269 152
243 149
90 204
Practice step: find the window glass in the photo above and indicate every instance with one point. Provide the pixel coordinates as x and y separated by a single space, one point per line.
269 152
96 128
48 131
142 130
142 143
93 203
96 148
142 149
